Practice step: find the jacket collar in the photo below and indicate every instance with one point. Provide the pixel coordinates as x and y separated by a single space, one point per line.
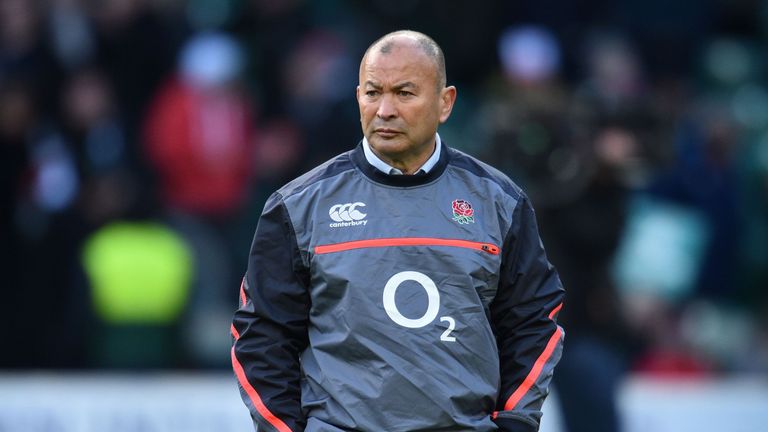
384 167
358 157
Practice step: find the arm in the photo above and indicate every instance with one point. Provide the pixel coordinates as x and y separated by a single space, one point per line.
270 327
523 316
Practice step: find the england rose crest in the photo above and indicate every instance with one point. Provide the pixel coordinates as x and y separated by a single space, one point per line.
463 212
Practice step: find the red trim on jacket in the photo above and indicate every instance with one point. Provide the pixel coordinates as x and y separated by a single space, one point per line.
251 392
406 241
242 293
538 366
255 398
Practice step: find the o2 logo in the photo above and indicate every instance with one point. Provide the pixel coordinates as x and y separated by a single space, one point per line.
433 303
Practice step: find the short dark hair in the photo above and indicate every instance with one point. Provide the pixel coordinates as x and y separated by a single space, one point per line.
425 43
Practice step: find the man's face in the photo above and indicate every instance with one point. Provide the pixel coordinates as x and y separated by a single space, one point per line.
400 103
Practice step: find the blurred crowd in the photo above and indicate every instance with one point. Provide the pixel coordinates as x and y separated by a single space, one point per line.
139 140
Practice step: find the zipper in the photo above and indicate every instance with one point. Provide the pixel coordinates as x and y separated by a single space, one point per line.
406 241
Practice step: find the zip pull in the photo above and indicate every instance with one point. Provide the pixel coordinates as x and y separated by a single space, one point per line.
491 249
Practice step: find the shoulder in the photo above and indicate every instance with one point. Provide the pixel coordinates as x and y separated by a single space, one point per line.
328 169
480 169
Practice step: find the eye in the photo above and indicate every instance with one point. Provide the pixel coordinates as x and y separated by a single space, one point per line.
371 93
404 93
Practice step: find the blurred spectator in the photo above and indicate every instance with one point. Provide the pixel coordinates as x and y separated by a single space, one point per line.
139 273
582 235
200 132
41 237
614 81
25 54
523 122
703 177
201 140
573 164
91 124
319 101
72 33
136 47
269 29
703 188
279 154
735 95
72 166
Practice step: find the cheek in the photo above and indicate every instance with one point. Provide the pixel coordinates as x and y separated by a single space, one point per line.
422 118
367 117
364 117
367 111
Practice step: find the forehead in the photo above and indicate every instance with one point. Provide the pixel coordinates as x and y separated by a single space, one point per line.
401 62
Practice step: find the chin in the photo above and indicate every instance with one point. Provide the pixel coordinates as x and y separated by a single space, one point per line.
389 146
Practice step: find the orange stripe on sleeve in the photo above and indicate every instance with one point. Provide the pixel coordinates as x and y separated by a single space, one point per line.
254 396
555 311
234 331
242 293
533 375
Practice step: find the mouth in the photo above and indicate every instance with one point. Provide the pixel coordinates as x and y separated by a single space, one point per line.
386 132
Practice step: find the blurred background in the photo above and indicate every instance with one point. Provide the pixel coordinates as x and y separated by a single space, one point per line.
140 139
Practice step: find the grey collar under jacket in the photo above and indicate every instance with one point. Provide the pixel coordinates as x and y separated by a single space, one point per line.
384 167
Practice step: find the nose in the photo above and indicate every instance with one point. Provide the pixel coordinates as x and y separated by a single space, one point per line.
387 108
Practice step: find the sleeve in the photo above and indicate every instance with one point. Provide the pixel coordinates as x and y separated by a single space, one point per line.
523 317
270 326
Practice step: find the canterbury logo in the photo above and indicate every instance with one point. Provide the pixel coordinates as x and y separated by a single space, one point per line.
348 214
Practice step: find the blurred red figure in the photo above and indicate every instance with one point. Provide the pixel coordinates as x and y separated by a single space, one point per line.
200 131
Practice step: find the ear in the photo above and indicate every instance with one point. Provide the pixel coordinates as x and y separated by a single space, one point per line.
447 99
357 92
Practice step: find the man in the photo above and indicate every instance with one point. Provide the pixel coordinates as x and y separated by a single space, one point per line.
400 286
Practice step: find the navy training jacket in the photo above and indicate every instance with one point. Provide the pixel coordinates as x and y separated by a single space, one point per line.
376 302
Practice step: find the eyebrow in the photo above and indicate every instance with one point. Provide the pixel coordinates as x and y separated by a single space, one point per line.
403 85
396 87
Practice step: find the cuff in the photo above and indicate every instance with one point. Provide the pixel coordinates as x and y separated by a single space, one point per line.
507 424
